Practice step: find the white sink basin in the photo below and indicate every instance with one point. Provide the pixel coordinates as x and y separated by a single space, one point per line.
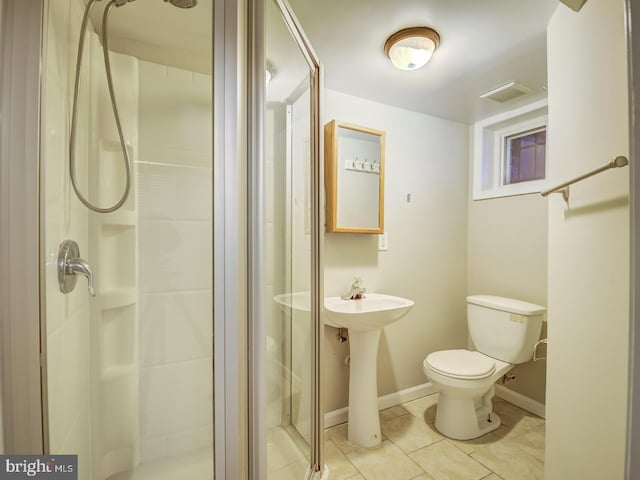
364 318
372 312
296 300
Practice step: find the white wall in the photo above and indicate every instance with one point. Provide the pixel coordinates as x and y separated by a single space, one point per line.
425 157
634 416
508 257
112 253
175 261
588 318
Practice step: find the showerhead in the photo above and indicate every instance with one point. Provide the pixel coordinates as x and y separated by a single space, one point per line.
183 3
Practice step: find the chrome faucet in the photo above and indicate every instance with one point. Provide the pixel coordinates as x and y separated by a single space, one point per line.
357 291
70 265
77 266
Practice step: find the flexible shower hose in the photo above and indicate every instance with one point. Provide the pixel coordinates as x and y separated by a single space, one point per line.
74 114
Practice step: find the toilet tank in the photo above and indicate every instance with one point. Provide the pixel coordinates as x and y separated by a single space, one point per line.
504 328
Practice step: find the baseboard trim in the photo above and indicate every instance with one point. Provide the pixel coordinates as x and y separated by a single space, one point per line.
520 400
336 417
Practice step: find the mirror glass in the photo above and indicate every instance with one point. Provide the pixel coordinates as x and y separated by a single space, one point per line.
354 178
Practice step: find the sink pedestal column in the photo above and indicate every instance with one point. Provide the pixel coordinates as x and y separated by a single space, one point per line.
364 421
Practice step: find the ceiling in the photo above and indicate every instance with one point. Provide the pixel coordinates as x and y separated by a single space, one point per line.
484 43
157 31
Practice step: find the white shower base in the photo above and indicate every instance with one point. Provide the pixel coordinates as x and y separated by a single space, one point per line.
196 465
287 454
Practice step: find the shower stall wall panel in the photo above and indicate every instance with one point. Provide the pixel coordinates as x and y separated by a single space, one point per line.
174 178
113 247
67 328
91 343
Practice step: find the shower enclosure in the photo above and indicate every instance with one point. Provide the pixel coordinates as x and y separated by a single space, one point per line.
128 374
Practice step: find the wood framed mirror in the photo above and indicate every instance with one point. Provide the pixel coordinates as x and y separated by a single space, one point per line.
354 178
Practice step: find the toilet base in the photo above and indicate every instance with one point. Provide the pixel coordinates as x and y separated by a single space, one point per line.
465 419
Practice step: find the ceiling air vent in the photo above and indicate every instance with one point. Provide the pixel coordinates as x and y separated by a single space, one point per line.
506 92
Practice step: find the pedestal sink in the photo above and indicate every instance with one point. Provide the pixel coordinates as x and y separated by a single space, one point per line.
364 318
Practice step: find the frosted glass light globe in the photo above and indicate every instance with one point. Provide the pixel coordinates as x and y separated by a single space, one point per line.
412 48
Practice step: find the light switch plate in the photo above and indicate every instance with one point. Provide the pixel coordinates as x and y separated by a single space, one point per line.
383 242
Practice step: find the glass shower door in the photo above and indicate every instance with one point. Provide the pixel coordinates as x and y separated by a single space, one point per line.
292 248
128 378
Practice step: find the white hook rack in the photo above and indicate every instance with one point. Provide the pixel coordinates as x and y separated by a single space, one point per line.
364 166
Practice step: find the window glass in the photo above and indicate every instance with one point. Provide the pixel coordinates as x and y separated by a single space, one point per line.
525 157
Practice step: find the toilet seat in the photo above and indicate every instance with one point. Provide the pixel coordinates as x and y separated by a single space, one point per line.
463 364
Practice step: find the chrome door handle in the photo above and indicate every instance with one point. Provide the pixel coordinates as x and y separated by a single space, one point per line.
70 265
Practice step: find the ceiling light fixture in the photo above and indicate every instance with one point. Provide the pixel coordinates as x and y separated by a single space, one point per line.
411 48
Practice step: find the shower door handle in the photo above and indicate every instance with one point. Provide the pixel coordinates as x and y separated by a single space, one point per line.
70 265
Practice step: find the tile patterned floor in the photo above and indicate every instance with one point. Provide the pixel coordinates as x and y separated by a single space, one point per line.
412 449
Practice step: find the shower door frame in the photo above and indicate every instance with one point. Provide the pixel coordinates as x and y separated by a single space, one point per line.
20 258
230 31
256 86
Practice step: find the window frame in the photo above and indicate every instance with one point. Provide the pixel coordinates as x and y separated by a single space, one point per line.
489 150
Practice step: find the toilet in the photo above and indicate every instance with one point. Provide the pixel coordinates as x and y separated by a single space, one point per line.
504 332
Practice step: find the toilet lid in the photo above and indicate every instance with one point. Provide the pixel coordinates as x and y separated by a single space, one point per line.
461 364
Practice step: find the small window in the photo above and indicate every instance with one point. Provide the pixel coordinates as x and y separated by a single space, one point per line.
509 152
524 156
